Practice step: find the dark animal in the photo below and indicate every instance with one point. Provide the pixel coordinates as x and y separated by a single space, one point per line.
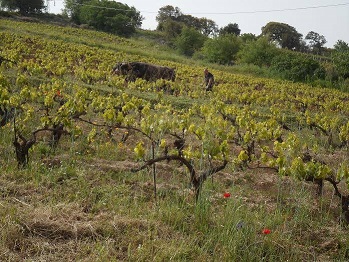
149 72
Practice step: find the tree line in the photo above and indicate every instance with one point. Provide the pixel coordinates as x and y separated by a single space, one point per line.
280 47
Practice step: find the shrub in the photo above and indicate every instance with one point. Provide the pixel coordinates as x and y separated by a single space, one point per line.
222 50
341 62
296 67
189 41
259 52
112 17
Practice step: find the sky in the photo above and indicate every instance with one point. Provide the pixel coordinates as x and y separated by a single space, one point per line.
329 18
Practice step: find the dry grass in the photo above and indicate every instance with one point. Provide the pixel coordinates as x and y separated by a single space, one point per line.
50 222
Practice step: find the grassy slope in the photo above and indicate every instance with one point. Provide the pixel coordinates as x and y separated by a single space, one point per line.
84 204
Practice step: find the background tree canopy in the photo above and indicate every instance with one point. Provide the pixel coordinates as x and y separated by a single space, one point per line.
175 16
283 34
108 16
316 41
260 52
230 29
340 58
23 6
222 49
189 41
200 38
167 13
295 67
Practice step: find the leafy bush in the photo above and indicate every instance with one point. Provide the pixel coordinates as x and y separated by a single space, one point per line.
341 62
296 67
24 7
259 52
223 49
113 17
189 41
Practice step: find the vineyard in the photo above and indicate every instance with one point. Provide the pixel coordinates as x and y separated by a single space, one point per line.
96 170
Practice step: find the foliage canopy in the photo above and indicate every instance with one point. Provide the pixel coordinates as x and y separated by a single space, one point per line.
175 16
189 41
316 41
222 49
296 67
108 16
23 6
283 34
259 52
230 29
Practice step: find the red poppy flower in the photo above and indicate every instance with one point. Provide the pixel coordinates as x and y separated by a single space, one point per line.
266 231
226 195
59 93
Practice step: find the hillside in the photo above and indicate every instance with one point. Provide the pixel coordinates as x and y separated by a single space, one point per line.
96 170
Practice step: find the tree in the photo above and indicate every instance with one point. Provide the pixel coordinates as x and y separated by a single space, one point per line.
24 6
190 21
171 29
208 27
316 42
296 66
203 25
284 35
341 46
222 49
110 16
167 13
230 29
189 41
72 9
340 58
248 37
303 47
169 21
260 52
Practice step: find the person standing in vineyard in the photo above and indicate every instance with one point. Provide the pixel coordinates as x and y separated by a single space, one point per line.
209 80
